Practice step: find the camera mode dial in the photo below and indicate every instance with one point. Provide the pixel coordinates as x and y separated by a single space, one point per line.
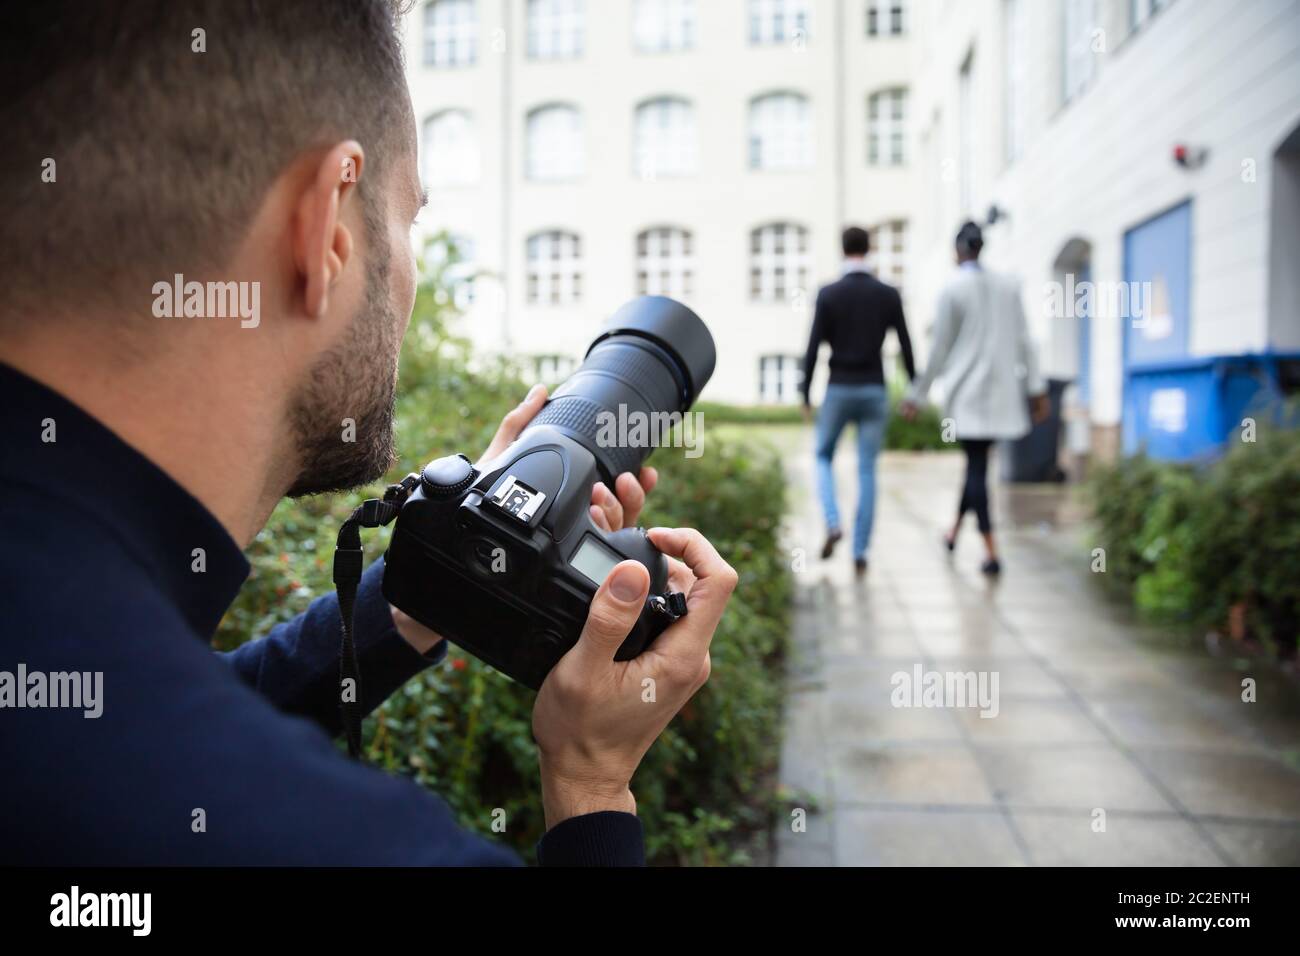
447 477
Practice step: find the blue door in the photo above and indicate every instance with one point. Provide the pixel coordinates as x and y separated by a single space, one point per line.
1157 270
1156 323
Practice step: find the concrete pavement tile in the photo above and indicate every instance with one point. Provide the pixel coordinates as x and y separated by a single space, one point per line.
866 837
1258 844
1169 718
1081 778
1031 721
1018 676
1228 783
803 745
975 642
922 773
1069 840
858 718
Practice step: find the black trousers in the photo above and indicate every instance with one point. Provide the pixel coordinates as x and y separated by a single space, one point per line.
975 491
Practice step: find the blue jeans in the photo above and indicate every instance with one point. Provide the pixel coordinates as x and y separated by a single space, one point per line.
868 407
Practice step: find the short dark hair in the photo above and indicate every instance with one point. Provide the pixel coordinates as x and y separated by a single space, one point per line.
970 239
162 152
855 241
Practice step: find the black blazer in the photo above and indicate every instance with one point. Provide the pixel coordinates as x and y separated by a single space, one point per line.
853 314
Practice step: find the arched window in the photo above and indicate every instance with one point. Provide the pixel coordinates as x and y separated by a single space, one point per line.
778 261
665 138
556 29
665 262
554 265
450 33
887 128
450 149
780 132
555 148
660 26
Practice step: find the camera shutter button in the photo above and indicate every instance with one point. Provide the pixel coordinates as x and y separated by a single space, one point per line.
447 477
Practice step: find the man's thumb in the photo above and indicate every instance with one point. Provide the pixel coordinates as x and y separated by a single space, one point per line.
616 607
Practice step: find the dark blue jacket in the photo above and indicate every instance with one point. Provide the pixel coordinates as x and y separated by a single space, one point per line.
97 575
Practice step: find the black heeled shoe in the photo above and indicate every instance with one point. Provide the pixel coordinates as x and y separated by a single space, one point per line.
991 567
949 542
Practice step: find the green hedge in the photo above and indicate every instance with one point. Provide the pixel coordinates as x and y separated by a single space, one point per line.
706 789
924 433
1215 546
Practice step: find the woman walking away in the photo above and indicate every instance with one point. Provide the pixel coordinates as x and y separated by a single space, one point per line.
984 359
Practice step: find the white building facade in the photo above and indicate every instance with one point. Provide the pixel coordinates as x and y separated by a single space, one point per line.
1119 141
582 152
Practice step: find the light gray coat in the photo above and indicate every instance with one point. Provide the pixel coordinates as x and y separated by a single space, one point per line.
982 357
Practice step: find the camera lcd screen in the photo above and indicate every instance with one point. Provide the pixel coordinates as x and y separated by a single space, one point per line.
594 560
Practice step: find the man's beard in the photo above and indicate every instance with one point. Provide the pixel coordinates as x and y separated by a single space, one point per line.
343 413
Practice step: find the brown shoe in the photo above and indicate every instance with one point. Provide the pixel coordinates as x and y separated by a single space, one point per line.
832 539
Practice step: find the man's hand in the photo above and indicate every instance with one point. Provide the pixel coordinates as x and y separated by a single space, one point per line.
908 409
1040 406
807 412
596 717
610 510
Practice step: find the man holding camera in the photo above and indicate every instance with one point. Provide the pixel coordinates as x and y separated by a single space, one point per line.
214 146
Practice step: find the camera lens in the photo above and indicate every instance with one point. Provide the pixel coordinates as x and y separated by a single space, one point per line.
645 369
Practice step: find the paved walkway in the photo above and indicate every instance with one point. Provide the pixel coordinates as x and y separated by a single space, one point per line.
1095 712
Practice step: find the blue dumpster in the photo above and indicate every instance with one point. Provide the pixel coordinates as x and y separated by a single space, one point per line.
1186 409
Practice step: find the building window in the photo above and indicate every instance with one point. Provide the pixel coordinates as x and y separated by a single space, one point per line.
888 251
556 29
778 21
553 369
450 149
1015 47
780 132
554 144
665 138
451 259
1078 27
554 268
887 128
779 377
1140 11
779 261
660 26
450 33
966 130
665 263
886 18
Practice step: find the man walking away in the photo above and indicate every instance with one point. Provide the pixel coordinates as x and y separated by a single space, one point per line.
853 314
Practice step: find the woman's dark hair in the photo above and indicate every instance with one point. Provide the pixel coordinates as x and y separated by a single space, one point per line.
970 240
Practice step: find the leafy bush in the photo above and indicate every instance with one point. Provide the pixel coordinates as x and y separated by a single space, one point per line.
463 730
1216 546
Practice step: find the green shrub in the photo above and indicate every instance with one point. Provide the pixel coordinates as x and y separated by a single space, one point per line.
1216 546
463 730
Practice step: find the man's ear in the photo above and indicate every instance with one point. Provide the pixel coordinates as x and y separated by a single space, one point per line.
322 245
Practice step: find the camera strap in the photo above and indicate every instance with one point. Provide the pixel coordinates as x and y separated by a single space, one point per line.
348 561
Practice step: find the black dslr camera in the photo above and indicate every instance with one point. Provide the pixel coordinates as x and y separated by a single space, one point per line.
502 557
